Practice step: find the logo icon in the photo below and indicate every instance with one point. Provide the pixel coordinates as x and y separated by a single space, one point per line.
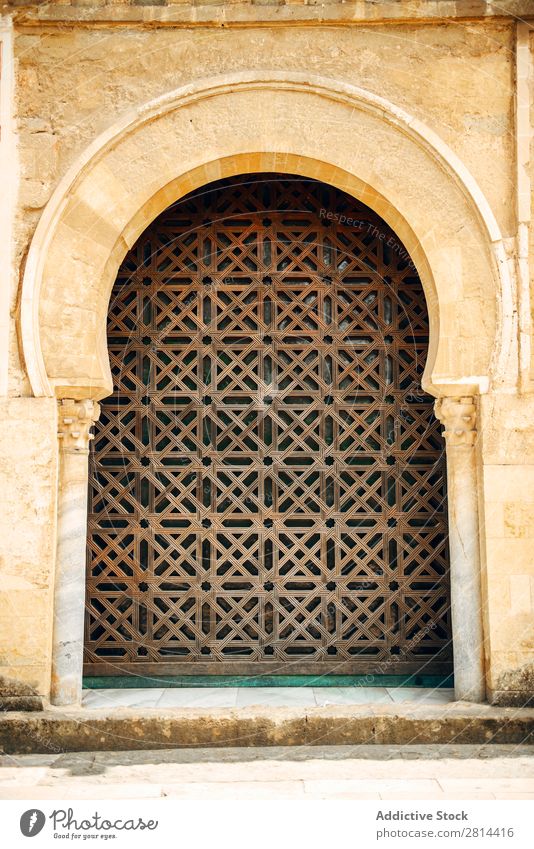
32 822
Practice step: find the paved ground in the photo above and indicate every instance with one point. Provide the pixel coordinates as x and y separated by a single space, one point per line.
274 696
340 772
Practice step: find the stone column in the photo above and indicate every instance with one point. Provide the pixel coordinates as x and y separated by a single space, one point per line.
458 415
75 421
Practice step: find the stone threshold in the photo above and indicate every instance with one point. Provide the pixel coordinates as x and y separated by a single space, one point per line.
57 730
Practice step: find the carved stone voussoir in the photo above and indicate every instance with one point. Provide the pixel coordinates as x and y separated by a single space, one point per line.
458 416
75 421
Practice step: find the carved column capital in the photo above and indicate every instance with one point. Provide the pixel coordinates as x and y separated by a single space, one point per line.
458 417
75 421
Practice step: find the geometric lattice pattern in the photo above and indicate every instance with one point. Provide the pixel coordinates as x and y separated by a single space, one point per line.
267 486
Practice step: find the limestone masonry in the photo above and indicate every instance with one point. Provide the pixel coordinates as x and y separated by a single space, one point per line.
111 110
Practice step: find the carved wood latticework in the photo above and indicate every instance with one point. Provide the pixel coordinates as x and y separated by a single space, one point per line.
267 486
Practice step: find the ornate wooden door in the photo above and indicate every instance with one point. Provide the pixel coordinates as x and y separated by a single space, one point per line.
267 487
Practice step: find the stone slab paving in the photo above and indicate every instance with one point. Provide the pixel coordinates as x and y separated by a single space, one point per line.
275 696
122 698
318 772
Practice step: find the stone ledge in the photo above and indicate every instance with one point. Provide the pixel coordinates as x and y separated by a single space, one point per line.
511 698
20 703
227 13
18 696
67 730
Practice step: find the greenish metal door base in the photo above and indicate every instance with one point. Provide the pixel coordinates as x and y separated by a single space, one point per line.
124 682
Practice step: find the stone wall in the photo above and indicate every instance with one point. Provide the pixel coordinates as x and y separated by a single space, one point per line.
79 67
507 490
73 83
28 483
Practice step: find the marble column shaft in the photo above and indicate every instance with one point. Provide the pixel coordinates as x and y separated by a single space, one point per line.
75 421
458 415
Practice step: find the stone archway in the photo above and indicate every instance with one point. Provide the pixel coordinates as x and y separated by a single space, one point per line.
267 481
244 124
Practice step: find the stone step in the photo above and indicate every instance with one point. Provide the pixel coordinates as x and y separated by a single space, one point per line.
119 729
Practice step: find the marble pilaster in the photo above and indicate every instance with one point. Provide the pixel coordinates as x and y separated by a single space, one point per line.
75 421
458 415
